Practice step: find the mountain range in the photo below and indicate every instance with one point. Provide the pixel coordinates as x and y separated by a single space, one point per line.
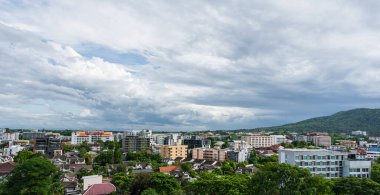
364 119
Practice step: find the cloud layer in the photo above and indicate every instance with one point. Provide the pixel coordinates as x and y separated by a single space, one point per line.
184 65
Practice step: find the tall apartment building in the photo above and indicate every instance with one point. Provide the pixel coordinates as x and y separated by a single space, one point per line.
90 137
137 140
326 163
209 154
48 145
196 142
173 151
258 141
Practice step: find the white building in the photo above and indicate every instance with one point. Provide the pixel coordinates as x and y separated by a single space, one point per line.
239 145
357 168
258 141
90 137
364 133
325 163
12 150
91 180
10 136
238 156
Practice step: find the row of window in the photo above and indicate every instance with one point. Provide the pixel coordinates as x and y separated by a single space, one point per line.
314 163
315 157
358 170
316 169
360 175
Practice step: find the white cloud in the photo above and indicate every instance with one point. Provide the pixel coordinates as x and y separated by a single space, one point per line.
209 65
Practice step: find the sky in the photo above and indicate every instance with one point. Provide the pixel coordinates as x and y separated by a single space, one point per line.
185 65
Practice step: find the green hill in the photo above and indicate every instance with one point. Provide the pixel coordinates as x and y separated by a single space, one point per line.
342 122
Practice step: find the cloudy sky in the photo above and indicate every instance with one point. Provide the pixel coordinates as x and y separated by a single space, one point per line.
185 65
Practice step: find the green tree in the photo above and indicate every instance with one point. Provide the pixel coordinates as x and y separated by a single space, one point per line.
354 185
34 176
104 158
24 155
275 178
375 172
164 184
122 182
149 191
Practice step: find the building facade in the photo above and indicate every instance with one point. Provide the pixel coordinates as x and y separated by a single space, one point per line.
173 151
90 137
259 141
325 163
135 144
209 154
322 140
196 142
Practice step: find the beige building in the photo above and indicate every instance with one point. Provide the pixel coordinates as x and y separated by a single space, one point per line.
322 140
258 141
209 154
173 151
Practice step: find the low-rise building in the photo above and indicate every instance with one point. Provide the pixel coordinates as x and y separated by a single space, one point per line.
322 140
260 140
90 137
238 155
209 154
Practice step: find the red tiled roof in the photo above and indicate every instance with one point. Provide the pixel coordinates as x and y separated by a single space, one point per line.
98 189
7 167
168 168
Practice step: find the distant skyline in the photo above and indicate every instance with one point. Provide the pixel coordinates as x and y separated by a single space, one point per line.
185 65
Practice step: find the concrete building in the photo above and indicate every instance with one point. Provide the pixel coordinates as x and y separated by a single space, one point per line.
49 146
173 151
90 137
135 143
322 140
91 180
325 163
238 156
357 168
239 145
258 141
12 150
209 154
363 133
196 142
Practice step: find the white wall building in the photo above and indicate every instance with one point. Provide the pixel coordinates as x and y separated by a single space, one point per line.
325 163
12 150
91 180
90 137
357 168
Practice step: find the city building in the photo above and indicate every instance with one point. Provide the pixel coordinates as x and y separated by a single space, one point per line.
196 142
363 133
90 137
238 145
12 150
348 143
32 135
49 146
173 151
325 163
209 154
374 138
238 156
258 141
132 143
322 140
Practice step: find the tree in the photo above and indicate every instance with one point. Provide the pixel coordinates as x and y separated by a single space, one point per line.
104 158
212 184
275 178
164 184
122 182
375 172
354 185
34 176
24 155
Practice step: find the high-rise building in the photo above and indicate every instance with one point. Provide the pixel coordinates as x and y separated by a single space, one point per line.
322 140
196 142
238 155
137 140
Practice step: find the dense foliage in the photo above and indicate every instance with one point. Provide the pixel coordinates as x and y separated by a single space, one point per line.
34 176
271 179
